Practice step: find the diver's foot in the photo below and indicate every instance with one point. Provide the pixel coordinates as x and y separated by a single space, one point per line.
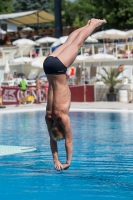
97 22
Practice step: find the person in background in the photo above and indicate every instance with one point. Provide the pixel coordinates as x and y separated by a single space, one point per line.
46 85
0 95
9 75
15 74
38 89
23 87
86 76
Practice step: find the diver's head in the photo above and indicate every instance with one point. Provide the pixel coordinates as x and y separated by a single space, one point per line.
57 132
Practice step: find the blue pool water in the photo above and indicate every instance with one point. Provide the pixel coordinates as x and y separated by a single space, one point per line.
102 164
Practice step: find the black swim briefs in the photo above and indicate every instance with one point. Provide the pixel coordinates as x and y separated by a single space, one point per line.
52 65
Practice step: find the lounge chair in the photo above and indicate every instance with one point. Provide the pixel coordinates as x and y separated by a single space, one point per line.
9 82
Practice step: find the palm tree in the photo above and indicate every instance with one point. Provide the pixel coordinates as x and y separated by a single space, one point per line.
111 78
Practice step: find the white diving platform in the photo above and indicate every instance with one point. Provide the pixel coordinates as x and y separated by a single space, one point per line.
9 150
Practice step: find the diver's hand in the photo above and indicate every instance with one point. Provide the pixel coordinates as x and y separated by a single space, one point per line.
66 166
58 166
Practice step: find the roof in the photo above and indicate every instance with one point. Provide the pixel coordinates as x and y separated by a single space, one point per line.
28 17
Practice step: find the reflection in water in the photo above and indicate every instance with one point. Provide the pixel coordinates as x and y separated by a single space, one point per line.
102 164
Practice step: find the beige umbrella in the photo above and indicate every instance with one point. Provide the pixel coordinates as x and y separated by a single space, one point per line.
46 40
90 39
100 57
27 29
24 42
112 34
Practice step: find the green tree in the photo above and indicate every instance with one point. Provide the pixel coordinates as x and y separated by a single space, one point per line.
77 13
6 6
25 5
118 13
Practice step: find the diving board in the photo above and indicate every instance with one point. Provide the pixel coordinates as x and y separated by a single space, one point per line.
9 150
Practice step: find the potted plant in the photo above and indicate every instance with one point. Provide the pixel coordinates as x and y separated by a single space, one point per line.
111 79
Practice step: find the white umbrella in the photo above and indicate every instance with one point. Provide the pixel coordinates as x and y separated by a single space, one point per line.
59 41
115 34
7 69
98 35
10 31
35 36
21 60
129 33
46 40
27 29
100 57
2 31
38 62
112 34
23 42
81 58
90 39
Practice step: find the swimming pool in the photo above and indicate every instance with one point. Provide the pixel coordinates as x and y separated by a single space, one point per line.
102 164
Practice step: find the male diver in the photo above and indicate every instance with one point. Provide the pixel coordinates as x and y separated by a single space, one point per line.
59 97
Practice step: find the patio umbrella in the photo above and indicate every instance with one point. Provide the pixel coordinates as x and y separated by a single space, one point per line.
59 41
21 60
24 42
90 39
10 31
100 57
38 62
115 34
98 35
6 69
129 33
81 58
46 40
112 34
27 29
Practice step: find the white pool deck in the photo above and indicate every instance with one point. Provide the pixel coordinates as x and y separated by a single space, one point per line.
86 107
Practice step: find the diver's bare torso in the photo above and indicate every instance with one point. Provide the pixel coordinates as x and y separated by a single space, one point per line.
59 96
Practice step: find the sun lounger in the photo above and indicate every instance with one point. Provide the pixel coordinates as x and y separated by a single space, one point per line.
9 82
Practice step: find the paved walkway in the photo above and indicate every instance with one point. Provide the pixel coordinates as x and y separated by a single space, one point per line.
91 106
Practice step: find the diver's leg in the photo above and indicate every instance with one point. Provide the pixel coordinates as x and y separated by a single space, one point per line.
70 38
68 54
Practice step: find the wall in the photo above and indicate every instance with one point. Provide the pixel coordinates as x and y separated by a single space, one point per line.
83 93
11 94
10 25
